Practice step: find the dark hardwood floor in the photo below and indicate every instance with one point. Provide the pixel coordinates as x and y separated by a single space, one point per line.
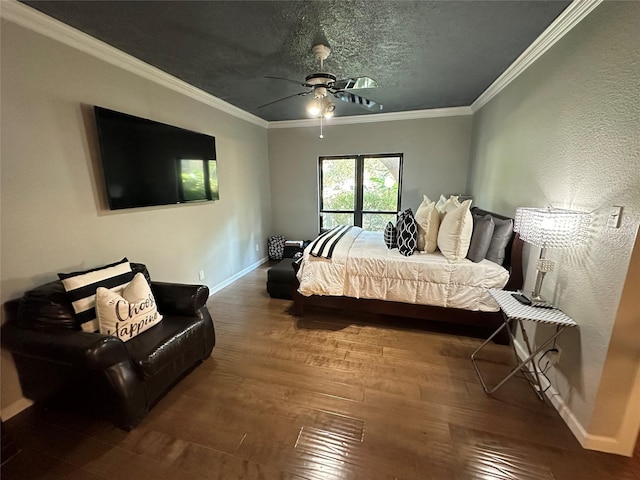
328 396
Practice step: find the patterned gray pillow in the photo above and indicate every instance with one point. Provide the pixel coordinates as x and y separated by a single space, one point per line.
391 235
407 233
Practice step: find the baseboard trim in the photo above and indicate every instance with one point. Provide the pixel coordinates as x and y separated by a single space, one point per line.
588 441
240 274
15 408
558 403
609 445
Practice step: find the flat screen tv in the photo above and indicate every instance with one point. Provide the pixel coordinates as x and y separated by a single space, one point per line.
149 163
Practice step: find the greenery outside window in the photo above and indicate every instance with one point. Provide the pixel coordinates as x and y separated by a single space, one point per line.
362 190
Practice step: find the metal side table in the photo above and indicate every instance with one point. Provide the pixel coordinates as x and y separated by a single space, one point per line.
518 312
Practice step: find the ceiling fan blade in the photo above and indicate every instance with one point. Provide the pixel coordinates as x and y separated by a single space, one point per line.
358 100
285 98
287 80
355 82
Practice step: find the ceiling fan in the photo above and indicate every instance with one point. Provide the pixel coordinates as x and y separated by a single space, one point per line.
324 83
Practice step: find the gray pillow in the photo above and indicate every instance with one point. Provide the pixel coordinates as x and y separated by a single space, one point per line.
502 232
483 227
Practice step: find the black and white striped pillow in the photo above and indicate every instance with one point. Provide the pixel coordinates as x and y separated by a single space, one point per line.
81 288
325 244
407 233
391 236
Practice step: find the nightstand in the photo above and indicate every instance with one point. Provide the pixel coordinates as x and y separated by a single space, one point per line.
514 311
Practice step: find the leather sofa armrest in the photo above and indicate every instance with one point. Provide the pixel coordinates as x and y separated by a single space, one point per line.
68 347
180 299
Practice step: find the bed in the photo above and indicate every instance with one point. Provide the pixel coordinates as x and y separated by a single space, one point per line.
363 275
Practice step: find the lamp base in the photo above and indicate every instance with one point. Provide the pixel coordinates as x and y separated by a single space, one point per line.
537 300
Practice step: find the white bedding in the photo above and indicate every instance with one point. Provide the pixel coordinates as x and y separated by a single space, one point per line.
363 267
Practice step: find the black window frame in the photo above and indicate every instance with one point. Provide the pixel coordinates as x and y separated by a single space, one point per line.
358 211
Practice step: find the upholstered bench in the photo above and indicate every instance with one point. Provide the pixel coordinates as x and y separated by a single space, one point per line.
280 279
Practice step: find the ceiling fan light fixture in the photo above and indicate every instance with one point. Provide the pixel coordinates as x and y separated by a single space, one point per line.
321 107
329 108
322 83
320 92
314 108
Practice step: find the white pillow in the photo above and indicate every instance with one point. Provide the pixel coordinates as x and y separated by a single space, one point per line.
455 232
428 220
446 204
127 314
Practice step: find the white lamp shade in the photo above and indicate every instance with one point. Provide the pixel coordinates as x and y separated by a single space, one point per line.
552 227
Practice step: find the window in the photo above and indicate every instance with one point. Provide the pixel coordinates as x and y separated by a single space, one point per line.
362 190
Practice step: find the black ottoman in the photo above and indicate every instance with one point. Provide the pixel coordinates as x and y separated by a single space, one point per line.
280 279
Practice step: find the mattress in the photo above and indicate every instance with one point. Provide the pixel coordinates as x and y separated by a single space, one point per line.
363 267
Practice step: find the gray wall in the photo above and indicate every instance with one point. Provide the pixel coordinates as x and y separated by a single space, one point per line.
54 217
436 156
565 133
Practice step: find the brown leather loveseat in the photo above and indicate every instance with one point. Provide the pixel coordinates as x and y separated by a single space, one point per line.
55 359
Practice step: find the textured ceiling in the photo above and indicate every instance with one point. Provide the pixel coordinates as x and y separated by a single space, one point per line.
422 54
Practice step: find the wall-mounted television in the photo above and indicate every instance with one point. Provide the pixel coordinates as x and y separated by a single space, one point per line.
149 163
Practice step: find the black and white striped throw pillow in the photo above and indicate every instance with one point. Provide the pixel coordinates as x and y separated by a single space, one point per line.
391 235
81 288
325 244
407 233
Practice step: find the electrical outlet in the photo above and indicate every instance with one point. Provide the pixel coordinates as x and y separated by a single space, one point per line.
554 355
201 274
257 247
614 216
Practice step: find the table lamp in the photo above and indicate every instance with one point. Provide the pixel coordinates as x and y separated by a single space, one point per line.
549 228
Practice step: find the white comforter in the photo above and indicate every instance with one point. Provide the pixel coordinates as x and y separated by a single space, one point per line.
363 267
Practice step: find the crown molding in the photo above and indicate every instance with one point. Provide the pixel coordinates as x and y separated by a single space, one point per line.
38 22
378 117
29 18
569 18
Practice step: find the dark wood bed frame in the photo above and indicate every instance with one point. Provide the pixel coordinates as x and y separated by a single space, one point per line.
486 320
